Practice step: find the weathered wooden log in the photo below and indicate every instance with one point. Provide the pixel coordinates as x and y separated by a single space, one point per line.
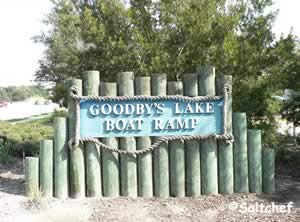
192 147
32 177
225 151
127 163
46 168
91 82
208 153
145 182
110 161
254 160
61 185
160 155
268 171
176 149
240 159
77 167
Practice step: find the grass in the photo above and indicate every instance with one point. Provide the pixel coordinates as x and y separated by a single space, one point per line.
22 136
25 136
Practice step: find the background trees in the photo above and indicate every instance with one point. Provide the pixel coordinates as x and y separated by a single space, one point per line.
174 37
19 93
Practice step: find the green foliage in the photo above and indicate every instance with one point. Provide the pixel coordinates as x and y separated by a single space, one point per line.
5 156
162 36
291 109
258 102
174 37
59 94
58 113
291 112
25 137
289 156
286 58
20 93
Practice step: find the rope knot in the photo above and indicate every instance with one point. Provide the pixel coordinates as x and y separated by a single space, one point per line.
73 145
74 91
226 89
229 139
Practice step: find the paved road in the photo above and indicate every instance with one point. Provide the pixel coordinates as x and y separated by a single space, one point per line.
20 110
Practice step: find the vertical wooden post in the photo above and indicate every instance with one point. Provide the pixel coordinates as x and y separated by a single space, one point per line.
77 169
46 168
91 82
254 160
145 183
160 155
192 148
176 148
61 189
209 162
127 163
110 161
268 171
32 176
206 77
225 151
239 124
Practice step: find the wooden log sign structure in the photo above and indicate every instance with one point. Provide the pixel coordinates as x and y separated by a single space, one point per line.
148 137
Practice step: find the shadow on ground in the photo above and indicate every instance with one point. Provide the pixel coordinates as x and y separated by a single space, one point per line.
287 183
287 186
12 177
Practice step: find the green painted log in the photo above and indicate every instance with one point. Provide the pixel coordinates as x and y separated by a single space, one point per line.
239 124
127 163
192 148
206 78
208 153
176 149
225 151
221 81
144 164
268 171
46 168
77 168
254 160
32 177
110 161
61 185
209 168
161 154
91 82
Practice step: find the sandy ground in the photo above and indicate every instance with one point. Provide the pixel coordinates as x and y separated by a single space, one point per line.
15 207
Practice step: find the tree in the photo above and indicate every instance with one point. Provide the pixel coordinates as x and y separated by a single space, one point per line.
85 35
173 37
291 112
19 93
149 36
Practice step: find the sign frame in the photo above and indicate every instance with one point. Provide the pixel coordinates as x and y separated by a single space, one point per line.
76 140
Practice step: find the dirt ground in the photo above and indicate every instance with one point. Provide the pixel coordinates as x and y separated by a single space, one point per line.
14 206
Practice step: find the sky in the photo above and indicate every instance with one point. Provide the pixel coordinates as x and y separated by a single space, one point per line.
20 20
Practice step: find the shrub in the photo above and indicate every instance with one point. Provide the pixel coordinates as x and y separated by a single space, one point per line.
5 156
61 112
25 137
289 156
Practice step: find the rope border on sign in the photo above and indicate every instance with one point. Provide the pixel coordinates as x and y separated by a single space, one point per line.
76 140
